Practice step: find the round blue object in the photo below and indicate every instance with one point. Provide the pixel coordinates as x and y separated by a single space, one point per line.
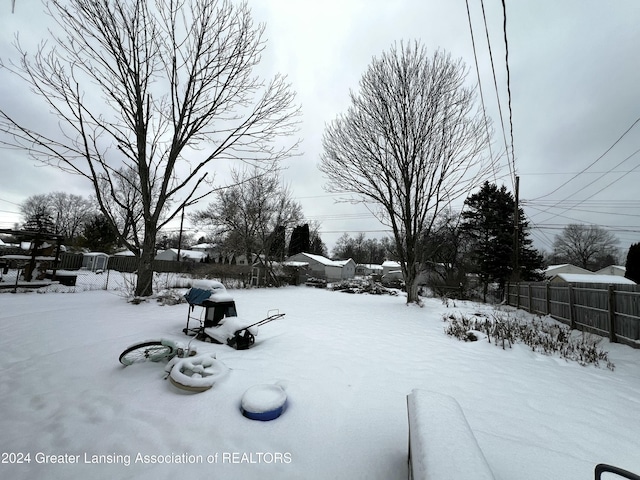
263 402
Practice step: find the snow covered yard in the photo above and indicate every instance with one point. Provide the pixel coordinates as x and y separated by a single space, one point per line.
346 362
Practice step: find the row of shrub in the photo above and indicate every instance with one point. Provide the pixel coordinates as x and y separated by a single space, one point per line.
543 336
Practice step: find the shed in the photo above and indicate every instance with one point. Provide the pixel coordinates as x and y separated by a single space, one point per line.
95 261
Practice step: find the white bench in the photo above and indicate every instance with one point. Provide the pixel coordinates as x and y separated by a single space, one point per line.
441 443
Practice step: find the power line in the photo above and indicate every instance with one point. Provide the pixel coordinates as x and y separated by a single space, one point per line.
591 183
573 173
495 84
484 109
506 59
593 163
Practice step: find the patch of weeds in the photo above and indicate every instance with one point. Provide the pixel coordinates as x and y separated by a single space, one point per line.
543 337
362 286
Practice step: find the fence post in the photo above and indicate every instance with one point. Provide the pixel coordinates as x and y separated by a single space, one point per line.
612 314
517 295
547 300
507 293
572 313
530 301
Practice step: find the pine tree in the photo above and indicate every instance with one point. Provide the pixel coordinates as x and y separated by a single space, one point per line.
100 235
299 242
633 263
488 222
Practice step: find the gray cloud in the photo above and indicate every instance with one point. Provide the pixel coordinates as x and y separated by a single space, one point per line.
574 83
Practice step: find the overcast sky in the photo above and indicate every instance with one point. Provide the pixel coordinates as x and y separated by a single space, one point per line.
575 90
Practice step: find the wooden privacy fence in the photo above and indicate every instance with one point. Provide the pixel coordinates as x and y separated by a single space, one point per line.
607 310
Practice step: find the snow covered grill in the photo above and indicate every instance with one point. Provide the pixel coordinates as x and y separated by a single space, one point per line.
441 443
213 297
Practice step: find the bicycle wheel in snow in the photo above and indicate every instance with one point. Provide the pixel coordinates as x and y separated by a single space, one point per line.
153 351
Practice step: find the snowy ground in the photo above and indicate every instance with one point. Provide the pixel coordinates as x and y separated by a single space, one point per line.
347 363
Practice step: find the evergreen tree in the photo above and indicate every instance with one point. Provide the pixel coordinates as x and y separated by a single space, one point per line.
40 222
100 235
276 248
300 242
317 246
633 263
488 222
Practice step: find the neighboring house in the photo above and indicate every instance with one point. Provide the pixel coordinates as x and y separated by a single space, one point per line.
552 270
365 269
612 270
590 278
342 269
293 273
324 267
210 249
390 266
185 255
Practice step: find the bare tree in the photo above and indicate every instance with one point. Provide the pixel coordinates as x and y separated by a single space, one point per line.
147 96
248 213
71 213
410 143
584 245
68 212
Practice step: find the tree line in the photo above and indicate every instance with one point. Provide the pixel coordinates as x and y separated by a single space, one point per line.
479 243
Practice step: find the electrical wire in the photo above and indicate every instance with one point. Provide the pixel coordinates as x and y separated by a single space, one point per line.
580 202
593 163
506 59
511 162
484 109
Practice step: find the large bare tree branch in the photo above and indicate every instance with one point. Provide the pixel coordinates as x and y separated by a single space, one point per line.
148 95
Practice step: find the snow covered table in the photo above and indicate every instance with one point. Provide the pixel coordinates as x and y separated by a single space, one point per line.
441 443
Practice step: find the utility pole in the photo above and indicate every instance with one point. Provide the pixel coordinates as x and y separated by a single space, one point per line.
516 233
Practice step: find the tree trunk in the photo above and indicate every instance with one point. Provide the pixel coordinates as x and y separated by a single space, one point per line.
411 282
144 285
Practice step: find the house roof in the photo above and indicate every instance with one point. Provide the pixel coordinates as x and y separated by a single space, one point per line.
391 263
192 254
203 246
592 278
321 259
124 253
342 263
612 268
549 271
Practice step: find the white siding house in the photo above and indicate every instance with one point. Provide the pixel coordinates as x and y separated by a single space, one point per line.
565 268
324 267
612 270
390 266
